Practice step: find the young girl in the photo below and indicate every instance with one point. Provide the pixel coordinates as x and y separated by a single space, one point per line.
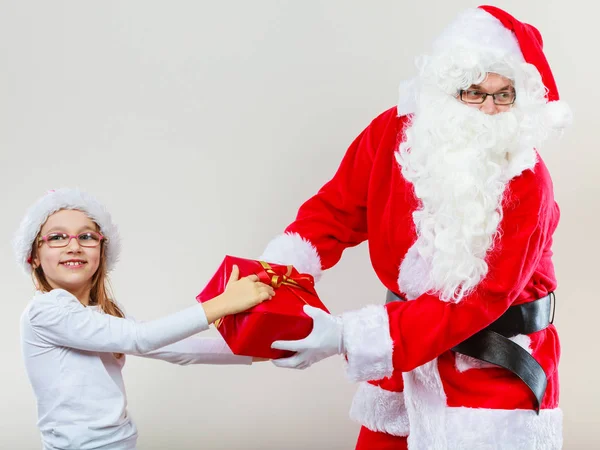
74 336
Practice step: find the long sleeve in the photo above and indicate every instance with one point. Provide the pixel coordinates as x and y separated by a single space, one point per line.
409 334
196 350
58 318
335 218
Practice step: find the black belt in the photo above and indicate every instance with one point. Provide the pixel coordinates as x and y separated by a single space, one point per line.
493 346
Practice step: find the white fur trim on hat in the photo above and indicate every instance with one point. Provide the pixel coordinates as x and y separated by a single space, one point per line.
476 28
473 29
53 201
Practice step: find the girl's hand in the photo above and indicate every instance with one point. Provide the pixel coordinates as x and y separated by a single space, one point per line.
242 294
239 295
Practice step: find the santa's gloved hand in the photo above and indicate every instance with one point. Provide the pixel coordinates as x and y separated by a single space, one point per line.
324 340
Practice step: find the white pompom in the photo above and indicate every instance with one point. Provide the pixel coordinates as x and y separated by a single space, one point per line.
559 114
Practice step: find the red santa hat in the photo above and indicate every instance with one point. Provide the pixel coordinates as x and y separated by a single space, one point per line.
54 201
531 45
490 29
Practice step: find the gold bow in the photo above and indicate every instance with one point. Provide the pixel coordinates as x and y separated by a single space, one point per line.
277 280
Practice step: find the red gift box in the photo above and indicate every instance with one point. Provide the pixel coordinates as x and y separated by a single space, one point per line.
252 332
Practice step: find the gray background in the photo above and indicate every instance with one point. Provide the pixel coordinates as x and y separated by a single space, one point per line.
203 126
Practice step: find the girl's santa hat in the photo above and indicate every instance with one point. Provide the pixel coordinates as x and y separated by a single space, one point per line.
54 201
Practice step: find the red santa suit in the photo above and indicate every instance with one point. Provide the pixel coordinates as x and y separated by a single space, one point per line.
413 387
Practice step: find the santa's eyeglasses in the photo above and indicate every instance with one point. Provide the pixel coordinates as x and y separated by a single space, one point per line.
477 97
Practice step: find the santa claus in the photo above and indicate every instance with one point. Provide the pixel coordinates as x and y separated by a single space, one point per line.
458 210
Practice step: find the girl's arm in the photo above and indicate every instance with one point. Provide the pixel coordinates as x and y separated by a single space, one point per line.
195 350
58 318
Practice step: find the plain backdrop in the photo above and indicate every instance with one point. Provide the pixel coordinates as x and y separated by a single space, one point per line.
203 126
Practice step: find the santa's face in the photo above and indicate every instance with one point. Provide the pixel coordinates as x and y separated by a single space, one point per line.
459 158
481 96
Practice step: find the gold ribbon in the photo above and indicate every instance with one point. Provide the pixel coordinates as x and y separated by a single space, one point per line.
278 280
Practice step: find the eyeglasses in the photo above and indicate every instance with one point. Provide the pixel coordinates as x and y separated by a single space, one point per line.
477 97
58 240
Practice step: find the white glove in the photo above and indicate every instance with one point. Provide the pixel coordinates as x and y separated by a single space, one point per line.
324 340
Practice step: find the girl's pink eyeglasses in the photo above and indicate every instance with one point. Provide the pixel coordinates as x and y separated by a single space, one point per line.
86 239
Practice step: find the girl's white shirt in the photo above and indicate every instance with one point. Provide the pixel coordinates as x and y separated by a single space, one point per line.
68 353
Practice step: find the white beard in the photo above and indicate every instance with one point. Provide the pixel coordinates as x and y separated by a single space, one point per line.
459 161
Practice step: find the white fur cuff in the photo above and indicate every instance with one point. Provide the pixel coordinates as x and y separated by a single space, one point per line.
380 410
291 248
368 343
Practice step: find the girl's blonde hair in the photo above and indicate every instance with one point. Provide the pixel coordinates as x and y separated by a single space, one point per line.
100 293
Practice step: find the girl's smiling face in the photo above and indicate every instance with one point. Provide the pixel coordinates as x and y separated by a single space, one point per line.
73 266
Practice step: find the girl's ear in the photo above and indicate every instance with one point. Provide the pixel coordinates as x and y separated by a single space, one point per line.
35 262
